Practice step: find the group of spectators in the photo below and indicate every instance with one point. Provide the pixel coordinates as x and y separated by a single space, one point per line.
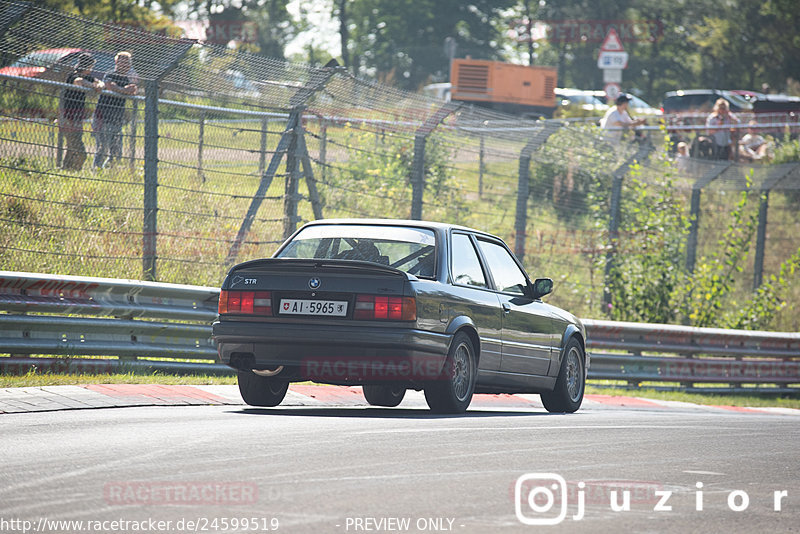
109 113
721 124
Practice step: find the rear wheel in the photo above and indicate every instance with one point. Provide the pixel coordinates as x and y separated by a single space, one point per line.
261 390
378 395
452 393
567 396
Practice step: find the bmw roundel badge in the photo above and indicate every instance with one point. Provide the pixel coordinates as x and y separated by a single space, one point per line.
314 283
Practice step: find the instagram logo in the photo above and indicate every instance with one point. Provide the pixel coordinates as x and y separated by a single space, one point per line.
535 497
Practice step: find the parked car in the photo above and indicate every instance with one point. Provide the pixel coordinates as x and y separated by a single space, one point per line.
702 101
594 103
56 63
578 99
395 305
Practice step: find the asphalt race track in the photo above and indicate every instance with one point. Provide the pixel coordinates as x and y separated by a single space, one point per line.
327 463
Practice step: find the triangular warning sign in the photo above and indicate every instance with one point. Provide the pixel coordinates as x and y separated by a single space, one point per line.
612 42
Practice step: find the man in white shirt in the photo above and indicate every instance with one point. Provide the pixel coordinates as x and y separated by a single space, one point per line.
617 119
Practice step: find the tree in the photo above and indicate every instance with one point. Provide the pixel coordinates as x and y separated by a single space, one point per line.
402 41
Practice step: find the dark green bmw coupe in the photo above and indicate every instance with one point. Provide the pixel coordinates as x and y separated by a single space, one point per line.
395 305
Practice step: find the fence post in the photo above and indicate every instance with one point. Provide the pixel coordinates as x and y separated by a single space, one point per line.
613 222
150 222
201 136
150 226
481 165
323 150
418 163
319 79
60 135
134 127
694 217
523 192
418 176
292 180
761 232
539 138
262 155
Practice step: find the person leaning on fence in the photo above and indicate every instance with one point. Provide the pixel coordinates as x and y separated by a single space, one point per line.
753 146
109 115
74 111
721 121
617 118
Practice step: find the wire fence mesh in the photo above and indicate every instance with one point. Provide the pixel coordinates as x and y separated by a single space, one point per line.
244 148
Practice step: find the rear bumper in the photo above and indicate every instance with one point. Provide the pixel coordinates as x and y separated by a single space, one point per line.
335 354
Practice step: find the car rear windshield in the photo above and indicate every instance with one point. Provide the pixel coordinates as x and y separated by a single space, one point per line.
412 250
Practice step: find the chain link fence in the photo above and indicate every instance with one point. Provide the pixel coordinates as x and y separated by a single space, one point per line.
222 154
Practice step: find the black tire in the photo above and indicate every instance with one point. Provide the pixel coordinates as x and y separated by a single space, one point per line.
567 396
379 395
261 390
452 393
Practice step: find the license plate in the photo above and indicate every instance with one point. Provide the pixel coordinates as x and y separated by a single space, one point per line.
330 308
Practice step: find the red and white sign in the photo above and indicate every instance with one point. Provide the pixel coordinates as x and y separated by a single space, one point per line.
612 54
612 91
612 42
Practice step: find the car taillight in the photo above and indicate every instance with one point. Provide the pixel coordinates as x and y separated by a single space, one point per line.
381 307
245 302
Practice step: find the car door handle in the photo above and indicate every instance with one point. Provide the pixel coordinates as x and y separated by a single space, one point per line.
506 307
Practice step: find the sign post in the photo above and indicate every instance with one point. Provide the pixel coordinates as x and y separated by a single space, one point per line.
612 60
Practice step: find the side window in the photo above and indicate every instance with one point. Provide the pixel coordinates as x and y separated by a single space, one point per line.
465 266
508 277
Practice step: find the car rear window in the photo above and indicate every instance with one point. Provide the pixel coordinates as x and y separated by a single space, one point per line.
412 250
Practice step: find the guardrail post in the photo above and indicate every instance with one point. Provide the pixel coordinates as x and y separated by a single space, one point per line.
697 188
761 232
613 221
523 185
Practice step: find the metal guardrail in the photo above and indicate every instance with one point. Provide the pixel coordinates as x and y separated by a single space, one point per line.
79 316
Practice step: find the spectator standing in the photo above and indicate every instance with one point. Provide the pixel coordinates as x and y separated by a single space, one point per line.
74 111
721 122
109 115
617 119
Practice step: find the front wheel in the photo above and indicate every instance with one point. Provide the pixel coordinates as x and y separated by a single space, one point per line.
378 395
567 396
261 390
452 392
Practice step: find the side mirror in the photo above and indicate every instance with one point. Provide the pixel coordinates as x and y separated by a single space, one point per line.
542 287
